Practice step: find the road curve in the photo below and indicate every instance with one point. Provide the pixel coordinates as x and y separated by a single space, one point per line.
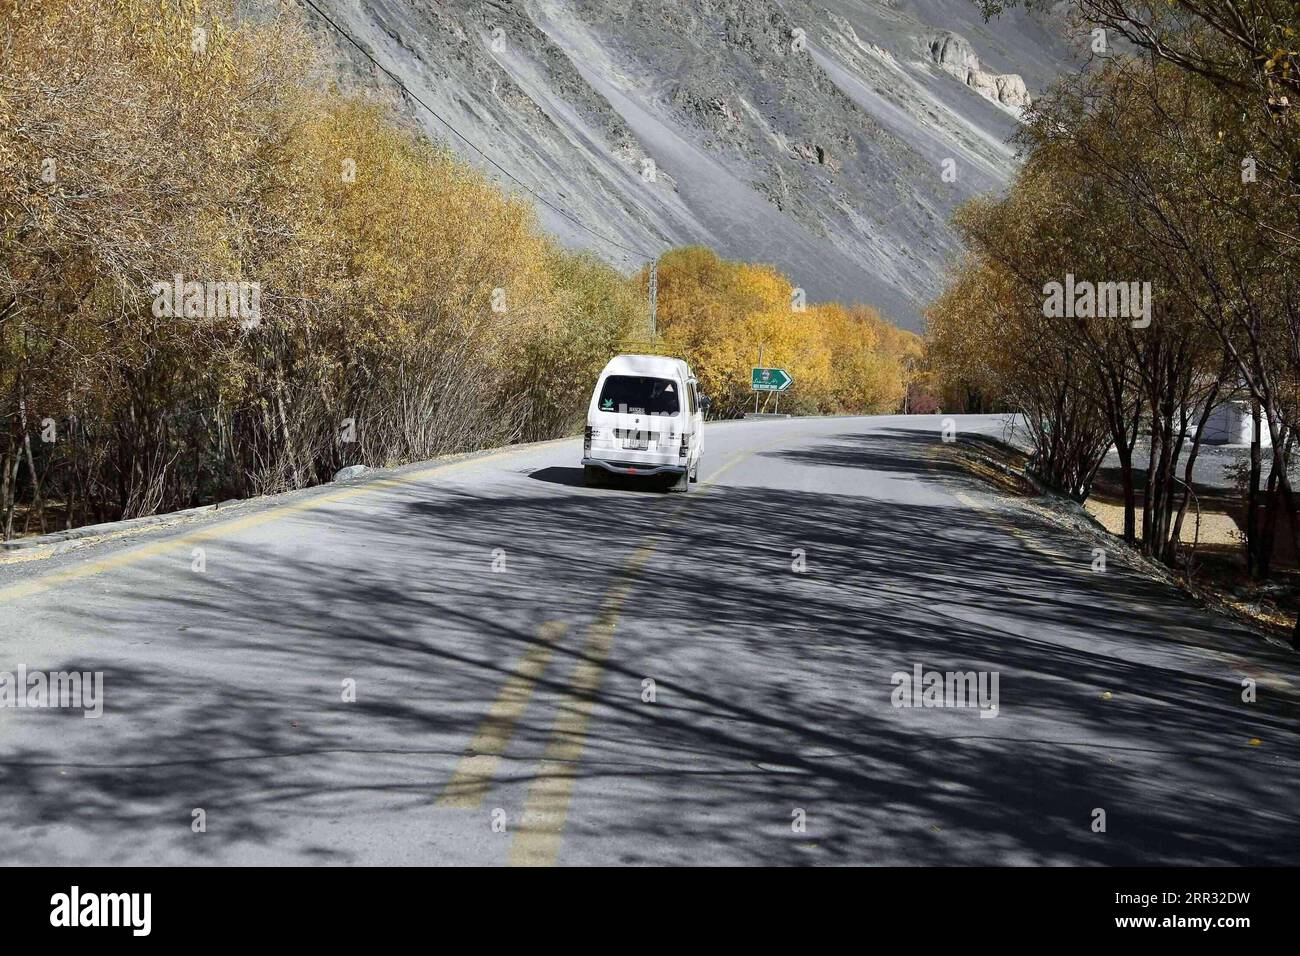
498 625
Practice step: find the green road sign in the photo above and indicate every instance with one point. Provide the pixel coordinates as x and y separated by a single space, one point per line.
771 380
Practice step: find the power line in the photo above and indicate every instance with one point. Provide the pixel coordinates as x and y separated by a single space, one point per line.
474 146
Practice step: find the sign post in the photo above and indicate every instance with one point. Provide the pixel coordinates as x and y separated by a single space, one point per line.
770 380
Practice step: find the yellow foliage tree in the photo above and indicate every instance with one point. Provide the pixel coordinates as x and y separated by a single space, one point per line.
719 315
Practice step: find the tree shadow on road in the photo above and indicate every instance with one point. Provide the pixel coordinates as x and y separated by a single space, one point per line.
773 685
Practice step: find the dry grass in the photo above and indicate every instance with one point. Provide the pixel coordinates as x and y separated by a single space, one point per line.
1001 466
1217 527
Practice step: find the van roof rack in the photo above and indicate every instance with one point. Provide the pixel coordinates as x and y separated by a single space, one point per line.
644 347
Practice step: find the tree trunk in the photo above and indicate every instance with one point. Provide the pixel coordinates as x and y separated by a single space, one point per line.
1252 496
1268 526
6 488
37 502
1149 493
1176 536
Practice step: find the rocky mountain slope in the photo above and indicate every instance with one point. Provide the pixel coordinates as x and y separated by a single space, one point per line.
832 139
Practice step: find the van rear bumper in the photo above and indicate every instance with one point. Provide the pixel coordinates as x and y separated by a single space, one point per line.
631 468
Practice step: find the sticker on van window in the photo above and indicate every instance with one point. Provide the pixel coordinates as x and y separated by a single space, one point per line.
608 403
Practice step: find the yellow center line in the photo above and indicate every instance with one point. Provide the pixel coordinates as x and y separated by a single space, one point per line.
476 770
536 840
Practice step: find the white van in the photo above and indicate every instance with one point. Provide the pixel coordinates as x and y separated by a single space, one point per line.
644 419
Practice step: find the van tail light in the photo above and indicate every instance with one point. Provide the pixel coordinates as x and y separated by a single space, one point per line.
586 437
686 445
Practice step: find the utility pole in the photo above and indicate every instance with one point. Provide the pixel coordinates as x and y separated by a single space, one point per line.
654 300
760 365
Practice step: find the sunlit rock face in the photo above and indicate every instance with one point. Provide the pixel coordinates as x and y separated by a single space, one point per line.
954 55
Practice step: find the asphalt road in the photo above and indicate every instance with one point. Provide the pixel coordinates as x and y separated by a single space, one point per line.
499 621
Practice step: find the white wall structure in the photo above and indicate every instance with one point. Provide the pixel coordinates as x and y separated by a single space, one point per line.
1231 424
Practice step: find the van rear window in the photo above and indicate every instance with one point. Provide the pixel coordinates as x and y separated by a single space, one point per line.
639 395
